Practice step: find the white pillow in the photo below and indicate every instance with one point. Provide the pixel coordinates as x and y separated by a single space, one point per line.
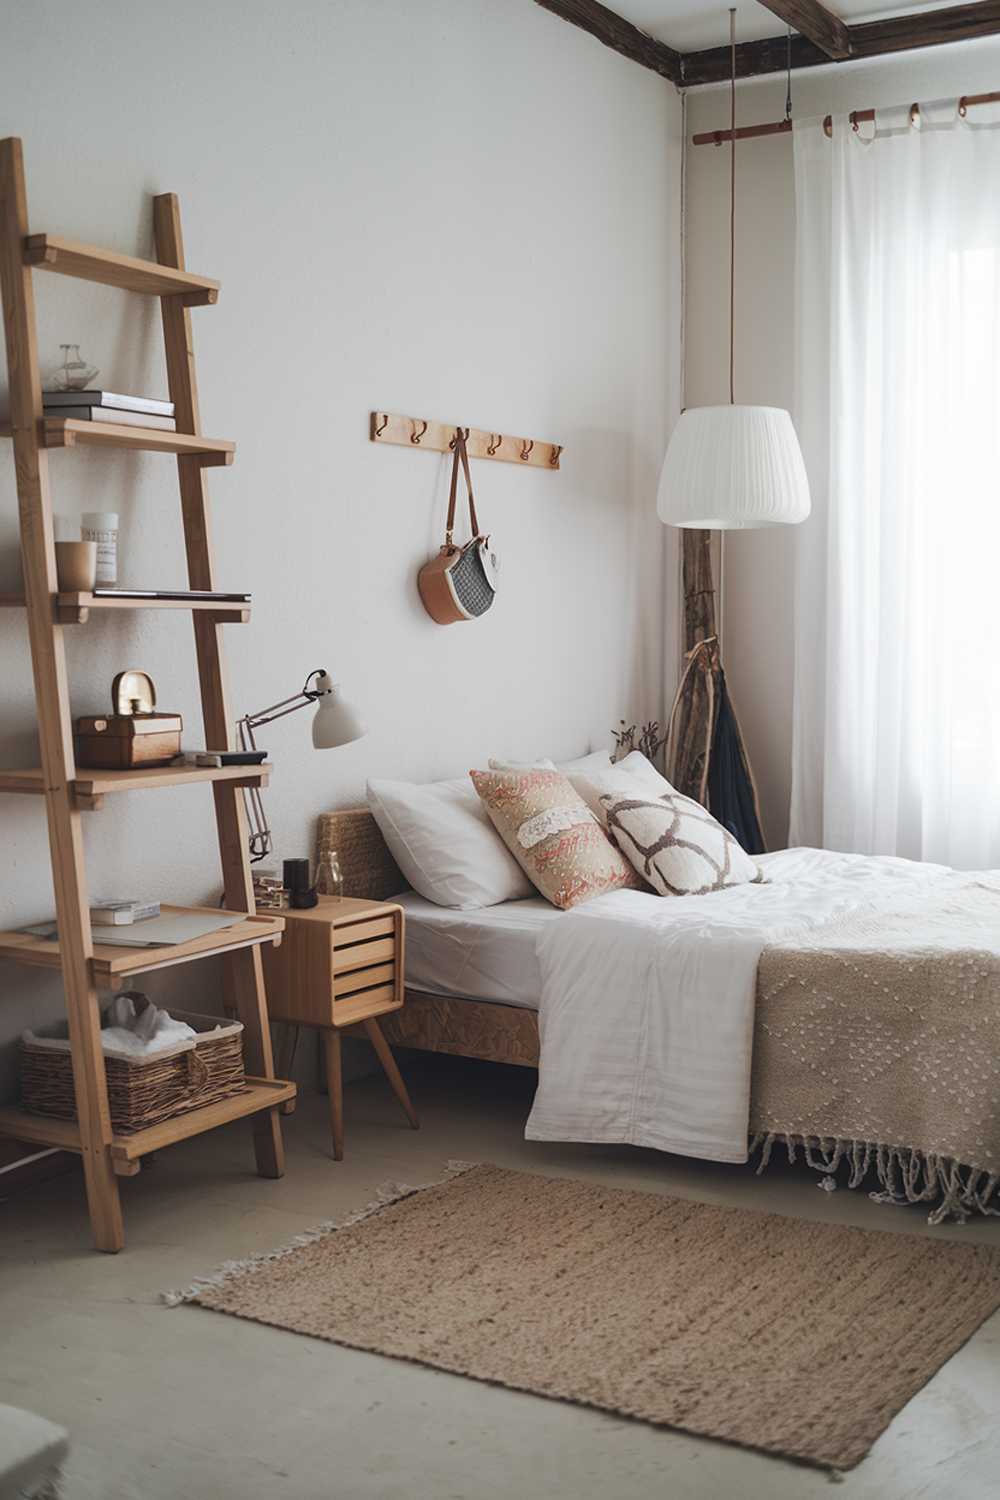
442 839
633 776
522 765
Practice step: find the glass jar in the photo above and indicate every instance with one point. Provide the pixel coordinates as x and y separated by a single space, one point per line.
329 880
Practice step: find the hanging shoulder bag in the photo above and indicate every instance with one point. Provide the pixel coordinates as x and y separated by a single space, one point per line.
461 582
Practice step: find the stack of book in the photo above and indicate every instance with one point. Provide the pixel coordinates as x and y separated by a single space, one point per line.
117 911
268 890
107 406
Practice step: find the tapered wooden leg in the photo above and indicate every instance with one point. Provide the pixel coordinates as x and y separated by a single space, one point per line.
288 1046
384 1053
246 985
335 1085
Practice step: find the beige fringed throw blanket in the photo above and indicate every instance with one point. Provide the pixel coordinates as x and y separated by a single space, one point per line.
877 1041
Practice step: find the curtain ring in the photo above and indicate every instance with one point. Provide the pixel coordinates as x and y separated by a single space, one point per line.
526 450
494 444
416 436
381 426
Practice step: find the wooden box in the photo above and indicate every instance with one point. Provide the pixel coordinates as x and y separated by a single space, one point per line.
121 742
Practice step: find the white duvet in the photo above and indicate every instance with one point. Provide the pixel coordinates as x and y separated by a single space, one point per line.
647 1005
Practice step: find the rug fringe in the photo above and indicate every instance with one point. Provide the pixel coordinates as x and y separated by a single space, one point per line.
386 1194
905 1175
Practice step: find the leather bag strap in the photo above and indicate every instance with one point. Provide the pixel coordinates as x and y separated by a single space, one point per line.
461 456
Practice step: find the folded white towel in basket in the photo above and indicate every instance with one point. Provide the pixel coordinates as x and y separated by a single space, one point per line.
141 1033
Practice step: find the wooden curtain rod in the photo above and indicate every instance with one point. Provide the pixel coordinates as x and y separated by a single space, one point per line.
857 116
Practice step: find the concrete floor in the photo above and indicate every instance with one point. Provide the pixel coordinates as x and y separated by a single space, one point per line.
167 1402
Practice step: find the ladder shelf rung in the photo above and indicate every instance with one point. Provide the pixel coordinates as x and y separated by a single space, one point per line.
111 964
53 252
91 786
74 608
68 432
43 1130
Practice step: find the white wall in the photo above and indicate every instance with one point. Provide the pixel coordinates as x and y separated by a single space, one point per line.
759 565
457 209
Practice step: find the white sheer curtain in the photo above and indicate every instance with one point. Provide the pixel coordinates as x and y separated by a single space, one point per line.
897 681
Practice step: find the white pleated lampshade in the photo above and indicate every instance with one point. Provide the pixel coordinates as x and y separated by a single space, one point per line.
732 468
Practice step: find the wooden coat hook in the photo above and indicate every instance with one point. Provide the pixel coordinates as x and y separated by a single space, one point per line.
439 437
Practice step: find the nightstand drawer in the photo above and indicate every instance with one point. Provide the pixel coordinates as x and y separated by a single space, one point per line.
360 955
349 1009
363 979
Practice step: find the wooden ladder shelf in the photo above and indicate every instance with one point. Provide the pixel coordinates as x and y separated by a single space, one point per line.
67 794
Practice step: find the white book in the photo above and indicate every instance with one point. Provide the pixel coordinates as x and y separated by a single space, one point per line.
120 913
106 414
108 398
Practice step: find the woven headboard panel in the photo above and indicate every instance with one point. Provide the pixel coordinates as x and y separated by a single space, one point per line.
368 868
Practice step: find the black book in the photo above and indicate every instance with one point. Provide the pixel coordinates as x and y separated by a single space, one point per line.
194 595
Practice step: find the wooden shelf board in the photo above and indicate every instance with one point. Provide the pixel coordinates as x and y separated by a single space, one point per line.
53 252
67 432
261 1093
111 963
74 608
91 784
39 1130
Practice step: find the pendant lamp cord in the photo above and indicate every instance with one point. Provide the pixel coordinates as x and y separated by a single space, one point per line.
732 207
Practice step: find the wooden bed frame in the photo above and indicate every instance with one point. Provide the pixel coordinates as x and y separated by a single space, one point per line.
431 1023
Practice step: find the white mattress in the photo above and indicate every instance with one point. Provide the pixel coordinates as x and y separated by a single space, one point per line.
487 954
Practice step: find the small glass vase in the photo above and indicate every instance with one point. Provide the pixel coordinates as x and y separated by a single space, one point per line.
74 374
329 879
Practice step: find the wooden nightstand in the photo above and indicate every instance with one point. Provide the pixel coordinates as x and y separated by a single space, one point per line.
341 966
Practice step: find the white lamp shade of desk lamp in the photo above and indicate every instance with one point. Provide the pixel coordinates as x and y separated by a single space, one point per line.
336 722
733 468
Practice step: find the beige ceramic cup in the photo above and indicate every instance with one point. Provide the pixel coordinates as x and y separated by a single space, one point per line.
76 566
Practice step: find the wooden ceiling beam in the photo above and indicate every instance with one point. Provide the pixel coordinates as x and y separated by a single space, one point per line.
821 38
618 34
814 21
752 60
925 28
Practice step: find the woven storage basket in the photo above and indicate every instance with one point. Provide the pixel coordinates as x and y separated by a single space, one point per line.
141 1091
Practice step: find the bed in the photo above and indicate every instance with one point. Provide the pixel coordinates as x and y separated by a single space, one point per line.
877 1044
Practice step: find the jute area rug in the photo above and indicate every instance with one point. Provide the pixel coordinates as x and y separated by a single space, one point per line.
801 1339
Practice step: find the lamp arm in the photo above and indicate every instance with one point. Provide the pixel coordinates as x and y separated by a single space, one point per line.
258 828
304 696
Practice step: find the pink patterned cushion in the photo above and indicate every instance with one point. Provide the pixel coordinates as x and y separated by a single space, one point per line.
553 835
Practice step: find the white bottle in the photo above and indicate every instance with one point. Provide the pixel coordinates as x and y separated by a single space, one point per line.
101 526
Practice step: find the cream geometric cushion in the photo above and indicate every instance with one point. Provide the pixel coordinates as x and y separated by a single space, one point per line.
553 835
677 845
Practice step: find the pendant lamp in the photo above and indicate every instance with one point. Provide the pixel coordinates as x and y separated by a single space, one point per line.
732 468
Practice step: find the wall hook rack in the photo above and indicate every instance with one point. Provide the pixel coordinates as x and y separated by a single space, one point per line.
439 437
